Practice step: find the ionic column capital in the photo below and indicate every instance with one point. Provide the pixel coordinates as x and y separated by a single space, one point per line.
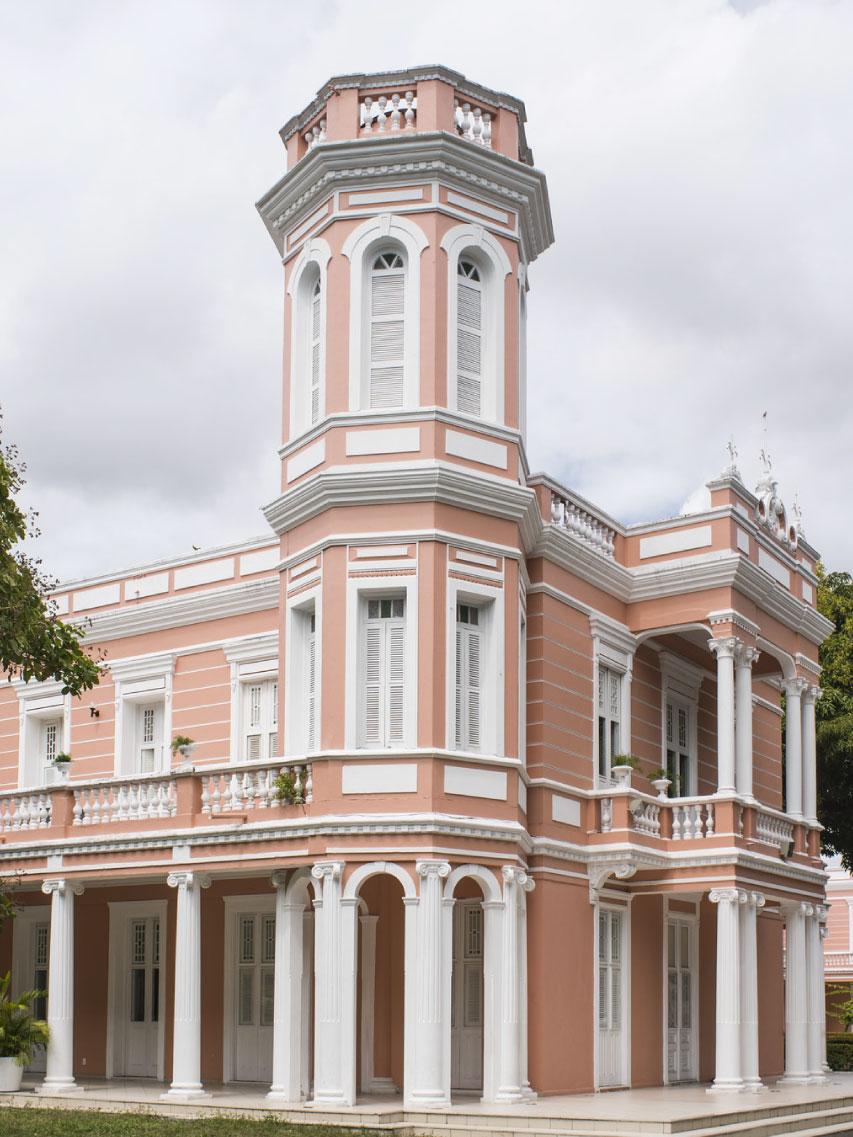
514 875
756 900
62 886
327 870
432 868
727 896
188 880
278 879
724 647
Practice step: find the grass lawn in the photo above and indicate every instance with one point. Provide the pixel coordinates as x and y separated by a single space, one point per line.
91 1123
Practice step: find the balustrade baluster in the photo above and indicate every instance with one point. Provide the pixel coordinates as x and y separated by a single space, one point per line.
381 117
205 794
676 823
487 130
366 115
87 807
410 114
309 783
395 112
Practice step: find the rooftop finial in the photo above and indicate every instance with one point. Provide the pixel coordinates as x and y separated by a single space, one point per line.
731 471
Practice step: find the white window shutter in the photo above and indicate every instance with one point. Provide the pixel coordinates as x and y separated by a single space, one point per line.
387 334
312 691
468 686
373 659
460 687
315 356
469 334
396 636
473 676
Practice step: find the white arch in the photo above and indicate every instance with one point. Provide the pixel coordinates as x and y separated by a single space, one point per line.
385 227
375 868
785 661
300 880
674 629
495 265
487 879
315 254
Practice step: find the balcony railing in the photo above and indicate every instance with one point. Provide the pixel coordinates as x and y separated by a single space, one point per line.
838 960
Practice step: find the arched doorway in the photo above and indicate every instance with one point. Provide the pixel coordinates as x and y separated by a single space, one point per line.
380 986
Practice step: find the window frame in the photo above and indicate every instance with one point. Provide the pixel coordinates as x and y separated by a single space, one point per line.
39 703
613 647
297 620
473 243
311 266
491 603
251 658
141 680
359 591
680 683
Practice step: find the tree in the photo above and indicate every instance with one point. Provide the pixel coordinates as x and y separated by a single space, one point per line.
835 716
34 642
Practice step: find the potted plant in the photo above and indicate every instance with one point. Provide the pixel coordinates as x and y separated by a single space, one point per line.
183 746
622 766
289 788
61 763
21 1034
660 780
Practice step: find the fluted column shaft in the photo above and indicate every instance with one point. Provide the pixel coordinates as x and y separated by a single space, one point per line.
744 659
513 986
809 752
794 748
368 1000
749 990
796 993
59 1076
817 996
724 650
334 986
728 1077
428 1073
288 1025
186 1054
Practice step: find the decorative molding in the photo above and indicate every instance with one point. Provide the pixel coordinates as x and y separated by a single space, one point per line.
730 616
62 886
188 880
600 871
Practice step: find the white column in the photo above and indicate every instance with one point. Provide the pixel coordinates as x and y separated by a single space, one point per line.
794 748
816 996
796 993
824 932
59 1077
289 1027
334 986
744 659
186 1053
370 1084
724 649
728 1077
428 1072
513 986
749 991
524 995
493 918
809 752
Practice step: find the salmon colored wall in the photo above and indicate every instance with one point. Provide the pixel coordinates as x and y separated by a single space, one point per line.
384 898
771 995
767 748
647 948
560 978
91 983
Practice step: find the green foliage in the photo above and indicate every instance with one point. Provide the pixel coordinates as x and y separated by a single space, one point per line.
37 1122
21 1034
626 760
34 642
840 1002
180 740
835 716
839 1051
290 788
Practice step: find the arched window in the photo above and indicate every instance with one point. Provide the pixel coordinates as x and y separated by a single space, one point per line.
316 296
386 339
469 336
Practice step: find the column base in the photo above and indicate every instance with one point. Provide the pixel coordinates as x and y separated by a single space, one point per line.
332 1098
57 1089
753 1086
726 1086
426 1099
384 1086
794 1080
284 1097
818 1079
185 1093
509 1094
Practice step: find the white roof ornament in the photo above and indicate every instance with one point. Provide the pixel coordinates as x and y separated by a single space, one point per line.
770 509
731 471
798 516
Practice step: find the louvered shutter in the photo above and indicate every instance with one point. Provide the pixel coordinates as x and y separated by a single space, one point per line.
387 291
396 647
460 687
253 722
469 336
315 354
312 690
468 679
373 660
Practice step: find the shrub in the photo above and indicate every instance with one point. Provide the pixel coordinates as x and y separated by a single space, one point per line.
839 1051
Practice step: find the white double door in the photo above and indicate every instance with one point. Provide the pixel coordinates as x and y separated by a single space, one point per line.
253 994
611 998
681 1034
466 1022
143 999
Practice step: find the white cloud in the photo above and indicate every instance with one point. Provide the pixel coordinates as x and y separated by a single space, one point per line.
700 183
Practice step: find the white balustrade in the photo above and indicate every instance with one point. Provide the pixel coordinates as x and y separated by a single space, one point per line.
592 531
647 818
315 134
132 800
25 811
244 789
773 829
473 123
606 814
382 113
692 819
838 960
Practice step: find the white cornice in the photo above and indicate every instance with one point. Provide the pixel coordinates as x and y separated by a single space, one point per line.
353 419
330 166
612 633
142 666
211 604
399 537
263 645
381 484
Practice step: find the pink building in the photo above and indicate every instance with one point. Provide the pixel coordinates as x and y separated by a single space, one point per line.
838 942
465 889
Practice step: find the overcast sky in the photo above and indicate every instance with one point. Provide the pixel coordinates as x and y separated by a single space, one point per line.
700 168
